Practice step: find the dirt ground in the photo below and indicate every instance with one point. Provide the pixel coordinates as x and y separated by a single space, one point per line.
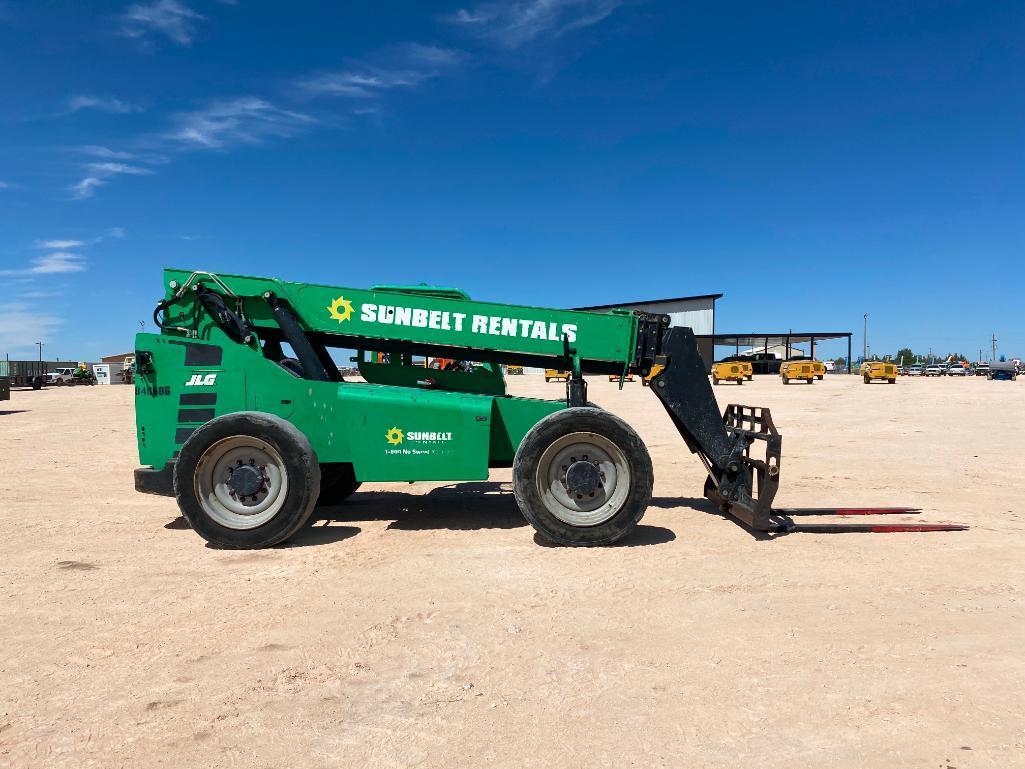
423 625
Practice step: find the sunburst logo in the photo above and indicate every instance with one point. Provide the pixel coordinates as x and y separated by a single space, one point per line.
394 436
340 309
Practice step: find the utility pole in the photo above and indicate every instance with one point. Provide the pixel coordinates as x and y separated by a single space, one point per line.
994 348
864 340
40 346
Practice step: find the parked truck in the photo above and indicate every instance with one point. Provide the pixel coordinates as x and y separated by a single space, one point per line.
28 373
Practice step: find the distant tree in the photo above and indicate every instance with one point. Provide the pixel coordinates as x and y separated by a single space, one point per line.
839 363
905 356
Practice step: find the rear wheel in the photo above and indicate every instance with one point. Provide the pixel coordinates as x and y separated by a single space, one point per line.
867 379
715 379
892 381
582 476
247 480
786 381
740 381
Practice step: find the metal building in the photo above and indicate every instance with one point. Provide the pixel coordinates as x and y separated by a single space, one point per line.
698 312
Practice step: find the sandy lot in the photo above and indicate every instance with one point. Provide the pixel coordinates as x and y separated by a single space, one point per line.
423 625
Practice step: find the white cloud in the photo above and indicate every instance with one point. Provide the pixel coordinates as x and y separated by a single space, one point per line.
101 103
58 244
51 264
4 185
170 18
512 24
110 169
57 262
115 232
22 324
400 67
86 187
97 151
100 173
240 120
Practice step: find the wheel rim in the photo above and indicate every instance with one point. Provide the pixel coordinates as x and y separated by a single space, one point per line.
554 477
214 479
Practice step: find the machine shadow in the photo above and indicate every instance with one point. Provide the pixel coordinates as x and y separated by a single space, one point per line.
458 507
309 535
312 535
13 411
642 536
706 506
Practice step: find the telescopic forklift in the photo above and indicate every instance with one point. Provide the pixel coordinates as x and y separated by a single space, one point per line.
243 416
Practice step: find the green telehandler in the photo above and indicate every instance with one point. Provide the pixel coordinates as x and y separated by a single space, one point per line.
243 416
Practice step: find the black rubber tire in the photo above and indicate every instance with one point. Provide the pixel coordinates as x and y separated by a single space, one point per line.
868 380
300 465
337 483
786 381
715 380
565 422
740 381
547 380
37 383
892 381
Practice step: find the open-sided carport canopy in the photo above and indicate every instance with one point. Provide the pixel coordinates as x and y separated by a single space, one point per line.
786 339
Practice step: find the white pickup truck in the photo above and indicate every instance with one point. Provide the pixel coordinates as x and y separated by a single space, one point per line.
66 376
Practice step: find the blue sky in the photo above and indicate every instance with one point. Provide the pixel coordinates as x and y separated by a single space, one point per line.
813 161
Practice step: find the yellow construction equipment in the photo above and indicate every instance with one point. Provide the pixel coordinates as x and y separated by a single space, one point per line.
729 371
877 370
802 368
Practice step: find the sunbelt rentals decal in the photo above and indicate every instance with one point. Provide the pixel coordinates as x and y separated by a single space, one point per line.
412 442
342 309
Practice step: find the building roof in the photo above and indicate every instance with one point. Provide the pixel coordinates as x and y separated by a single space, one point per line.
115 358
713 297
774 339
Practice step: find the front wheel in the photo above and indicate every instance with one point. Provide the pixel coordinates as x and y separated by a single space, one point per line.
715 380
582 476
892 381
786 381
868 380
247 480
